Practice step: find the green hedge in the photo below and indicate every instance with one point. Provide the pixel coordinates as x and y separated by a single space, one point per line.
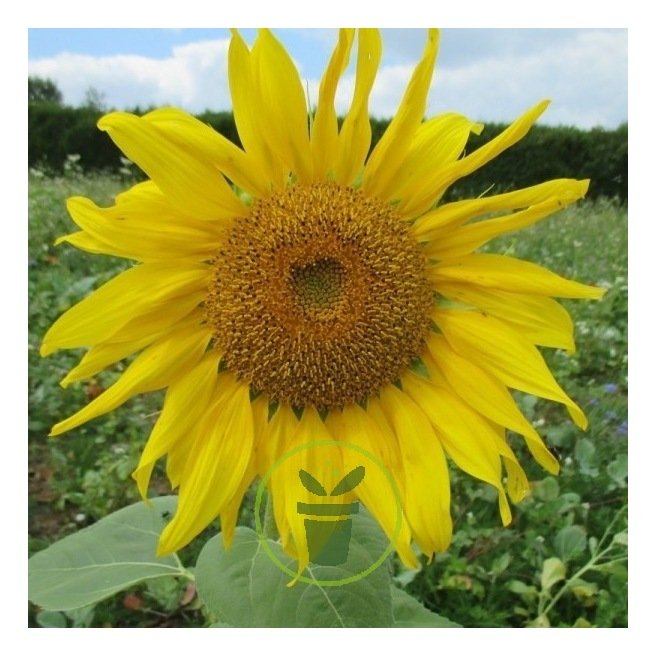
547 152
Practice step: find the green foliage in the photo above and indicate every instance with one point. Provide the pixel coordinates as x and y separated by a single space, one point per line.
43 90
240 587
243 587
547 152
96 562
491 576
54 132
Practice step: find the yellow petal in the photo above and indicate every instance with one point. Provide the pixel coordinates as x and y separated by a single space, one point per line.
159 236
505 353
135 336
509 137
153 369
443 219
324 127
85 242
283 104
517 484
356 427
355 136
187 131
437 142
496 403
468 238
188 181
230 513
286 485
278 439
540 318
103 355
186 402
247 109
467 438
278 434
509 274
427 493
135 292
214 468
391 150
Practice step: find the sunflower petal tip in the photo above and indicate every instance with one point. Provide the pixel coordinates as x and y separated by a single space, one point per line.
111 120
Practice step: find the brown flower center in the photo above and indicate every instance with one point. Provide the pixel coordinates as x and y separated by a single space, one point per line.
319 296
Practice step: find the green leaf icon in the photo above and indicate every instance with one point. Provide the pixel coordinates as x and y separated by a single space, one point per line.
311 484
350 481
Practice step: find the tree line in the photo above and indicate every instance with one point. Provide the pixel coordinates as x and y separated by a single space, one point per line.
56 131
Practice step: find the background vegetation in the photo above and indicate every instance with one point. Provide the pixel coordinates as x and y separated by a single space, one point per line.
56 131
562 560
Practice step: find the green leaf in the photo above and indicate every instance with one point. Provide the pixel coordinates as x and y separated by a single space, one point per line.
540 622
406 576
618 470
569 542
51 619
350 481
593 543
82 617
311 484
582 623
566 502
613 568
547 489
621 538
98 561
519 587
501 564
409 613
553 570
585 453
583 589
243 587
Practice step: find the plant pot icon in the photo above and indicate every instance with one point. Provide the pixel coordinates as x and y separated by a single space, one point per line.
327 531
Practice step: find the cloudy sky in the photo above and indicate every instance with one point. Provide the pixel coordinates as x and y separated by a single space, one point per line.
487 74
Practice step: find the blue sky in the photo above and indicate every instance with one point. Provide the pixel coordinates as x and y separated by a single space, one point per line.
487 74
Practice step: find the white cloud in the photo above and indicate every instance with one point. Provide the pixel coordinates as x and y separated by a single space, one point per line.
193 77
583 71
584 76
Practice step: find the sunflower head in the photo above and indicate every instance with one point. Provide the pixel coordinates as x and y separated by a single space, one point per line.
344 302
319 297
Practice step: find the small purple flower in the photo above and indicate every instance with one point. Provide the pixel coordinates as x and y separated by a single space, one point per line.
623 428
611 388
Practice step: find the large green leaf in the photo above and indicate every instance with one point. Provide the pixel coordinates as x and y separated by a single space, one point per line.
96 562
408 612
243 587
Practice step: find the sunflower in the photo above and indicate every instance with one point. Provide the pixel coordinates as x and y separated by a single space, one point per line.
302 288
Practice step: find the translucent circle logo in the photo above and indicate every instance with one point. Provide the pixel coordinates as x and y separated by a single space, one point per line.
328 485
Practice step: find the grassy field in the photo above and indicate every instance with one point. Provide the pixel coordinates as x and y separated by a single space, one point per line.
560 563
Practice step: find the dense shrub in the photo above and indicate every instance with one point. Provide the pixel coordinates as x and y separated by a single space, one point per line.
547 152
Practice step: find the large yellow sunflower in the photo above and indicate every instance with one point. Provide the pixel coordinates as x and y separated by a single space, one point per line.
301 288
